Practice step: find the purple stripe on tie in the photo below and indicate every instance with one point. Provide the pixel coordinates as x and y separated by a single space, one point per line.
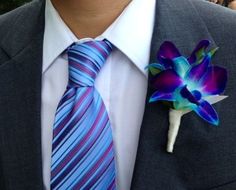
76 163
93 51
73 164
84 69
63 138
102 51
73 84
105 46
112 185
67 171
109 45
58 129
93 169
99 174
77 147
90 62
65 98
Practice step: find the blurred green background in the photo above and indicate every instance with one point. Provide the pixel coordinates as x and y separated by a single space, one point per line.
7 5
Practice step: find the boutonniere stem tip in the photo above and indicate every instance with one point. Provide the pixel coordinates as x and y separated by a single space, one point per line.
174 124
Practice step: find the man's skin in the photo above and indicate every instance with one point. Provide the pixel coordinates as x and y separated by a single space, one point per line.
89 18
232 4
217 1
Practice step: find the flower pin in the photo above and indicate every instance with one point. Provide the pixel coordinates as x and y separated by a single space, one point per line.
188 84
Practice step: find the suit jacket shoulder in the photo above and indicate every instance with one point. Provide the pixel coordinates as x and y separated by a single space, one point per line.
220 22
18 27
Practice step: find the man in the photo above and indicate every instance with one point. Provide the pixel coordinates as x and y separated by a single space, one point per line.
34 73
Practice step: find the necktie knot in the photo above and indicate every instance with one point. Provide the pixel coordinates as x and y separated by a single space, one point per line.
85 61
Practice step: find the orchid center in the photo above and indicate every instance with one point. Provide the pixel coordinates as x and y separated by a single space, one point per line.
197 95
191 96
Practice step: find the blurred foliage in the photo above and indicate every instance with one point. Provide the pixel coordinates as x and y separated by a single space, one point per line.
8 5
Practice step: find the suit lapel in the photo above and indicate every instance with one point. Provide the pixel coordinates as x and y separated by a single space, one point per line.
20 102
177 21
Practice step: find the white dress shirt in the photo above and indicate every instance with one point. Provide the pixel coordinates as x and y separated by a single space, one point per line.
122 82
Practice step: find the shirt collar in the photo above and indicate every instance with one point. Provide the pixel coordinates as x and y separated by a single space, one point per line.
131 33
57 36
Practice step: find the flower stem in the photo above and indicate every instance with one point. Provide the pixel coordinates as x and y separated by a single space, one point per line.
174 124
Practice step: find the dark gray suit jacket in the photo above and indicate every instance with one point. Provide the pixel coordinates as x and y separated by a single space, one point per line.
205 156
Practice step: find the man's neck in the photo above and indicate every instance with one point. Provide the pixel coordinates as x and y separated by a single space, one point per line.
89 18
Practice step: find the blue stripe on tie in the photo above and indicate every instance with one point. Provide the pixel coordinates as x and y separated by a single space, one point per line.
96 58
70 142
80 132
64 111
105 164
93 52
110 175
84 57
89 80
83 167
69 94
86 65
107 159
103 48
71 172
83 132
71 120
79 153
57 121
66 105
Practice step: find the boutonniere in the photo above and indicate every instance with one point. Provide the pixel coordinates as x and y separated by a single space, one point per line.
187 84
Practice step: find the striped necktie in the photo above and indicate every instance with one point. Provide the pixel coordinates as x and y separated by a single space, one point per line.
82 146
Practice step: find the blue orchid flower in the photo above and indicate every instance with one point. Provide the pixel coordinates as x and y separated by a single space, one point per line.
188 81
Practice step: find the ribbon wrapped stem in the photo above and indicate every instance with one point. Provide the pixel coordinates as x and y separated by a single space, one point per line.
174 124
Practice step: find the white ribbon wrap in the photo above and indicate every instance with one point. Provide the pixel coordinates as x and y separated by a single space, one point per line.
174 124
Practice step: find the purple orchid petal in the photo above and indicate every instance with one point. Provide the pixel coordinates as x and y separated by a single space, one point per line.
214 81
199 51
185 93
166 63
158 96
167 81
207 112
168 51
197 71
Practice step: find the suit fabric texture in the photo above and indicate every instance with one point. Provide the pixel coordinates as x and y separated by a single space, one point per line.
204 157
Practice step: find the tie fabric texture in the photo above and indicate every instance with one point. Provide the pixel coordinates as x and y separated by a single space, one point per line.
82 146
